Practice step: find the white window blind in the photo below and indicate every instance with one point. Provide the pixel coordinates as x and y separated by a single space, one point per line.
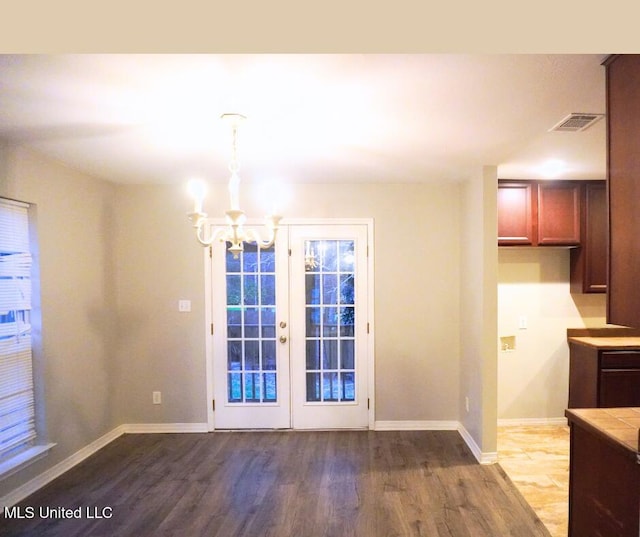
17 409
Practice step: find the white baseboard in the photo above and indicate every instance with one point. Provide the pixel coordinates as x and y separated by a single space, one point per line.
416 425
141 428
20 493
49 475
514 422
483 457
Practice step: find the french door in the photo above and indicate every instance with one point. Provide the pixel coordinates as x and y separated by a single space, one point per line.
290 339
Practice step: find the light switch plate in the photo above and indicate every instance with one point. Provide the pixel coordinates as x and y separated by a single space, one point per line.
184 305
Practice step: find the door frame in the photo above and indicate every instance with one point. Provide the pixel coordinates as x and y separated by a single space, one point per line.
284 228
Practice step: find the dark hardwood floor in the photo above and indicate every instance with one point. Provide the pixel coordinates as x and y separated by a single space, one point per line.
281 484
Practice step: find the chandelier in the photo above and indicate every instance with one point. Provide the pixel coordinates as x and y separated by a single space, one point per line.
234 231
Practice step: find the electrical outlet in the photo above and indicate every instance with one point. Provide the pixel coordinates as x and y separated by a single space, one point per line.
157 398
184 305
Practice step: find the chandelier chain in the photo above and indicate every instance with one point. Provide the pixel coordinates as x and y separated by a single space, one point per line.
234 164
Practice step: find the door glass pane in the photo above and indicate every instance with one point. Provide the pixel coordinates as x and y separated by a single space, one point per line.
270 387
330 320
347 354
329 289
313 354
234 323
313 387
313 321
234 289
251 322
251 326
347 319
268 322
235 387
313 288
330 354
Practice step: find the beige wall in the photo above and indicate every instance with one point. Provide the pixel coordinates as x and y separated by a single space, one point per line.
416 244
534 283
479 259
158 348
75 222
416 296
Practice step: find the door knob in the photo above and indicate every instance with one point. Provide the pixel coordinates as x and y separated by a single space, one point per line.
283 324
283 339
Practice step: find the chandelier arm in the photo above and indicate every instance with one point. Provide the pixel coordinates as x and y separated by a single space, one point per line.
219 233
252 235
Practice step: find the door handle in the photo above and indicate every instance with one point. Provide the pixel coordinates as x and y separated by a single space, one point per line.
283 339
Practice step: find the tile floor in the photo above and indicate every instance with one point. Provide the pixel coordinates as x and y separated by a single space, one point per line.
536 459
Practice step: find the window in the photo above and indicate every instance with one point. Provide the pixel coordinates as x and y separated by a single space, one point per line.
18 433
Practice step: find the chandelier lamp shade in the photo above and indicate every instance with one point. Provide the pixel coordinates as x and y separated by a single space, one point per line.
234 231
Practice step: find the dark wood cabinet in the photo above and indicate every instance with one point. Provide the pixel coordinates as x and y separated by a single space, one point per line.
603 378
623 156
516 213
559 213
539 213
589 261
604 474
619 387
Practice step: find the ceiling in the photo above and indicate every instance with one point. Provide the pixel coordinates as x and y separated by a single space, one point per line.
337 118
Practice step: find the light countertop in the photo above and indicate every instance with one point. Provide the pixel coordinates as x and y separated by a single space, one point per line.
619 426
624 342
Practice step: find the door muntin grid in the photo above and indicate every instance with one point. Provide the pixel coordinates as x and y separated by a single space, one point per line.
252 373
330 321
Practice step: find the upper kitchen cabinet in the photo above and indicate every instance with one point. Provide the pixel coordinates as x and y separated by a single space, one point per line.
515 213
539 213
559 213
589 261
623 135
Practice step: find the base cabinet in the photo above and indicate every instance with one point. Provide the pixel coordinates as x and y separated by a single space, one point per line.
604 487
603 378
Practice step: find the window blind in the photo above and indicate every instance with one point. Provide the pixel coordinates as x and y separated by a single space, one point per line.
17 408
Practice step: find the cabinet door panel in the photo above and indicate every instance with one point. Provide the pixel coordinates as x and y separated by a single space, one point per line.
589 261
559 213
595 242
619 388
515 223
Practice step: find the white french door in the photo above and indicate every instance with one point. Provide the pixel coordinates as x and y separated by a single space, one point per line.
329 326
250 338
290 343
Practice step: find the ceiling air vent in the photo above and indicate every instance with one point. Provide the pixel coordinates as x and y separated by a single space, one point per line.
576 122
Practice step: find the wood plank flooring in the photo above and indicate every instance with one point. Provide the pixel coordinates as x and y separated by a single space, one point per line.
302 484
